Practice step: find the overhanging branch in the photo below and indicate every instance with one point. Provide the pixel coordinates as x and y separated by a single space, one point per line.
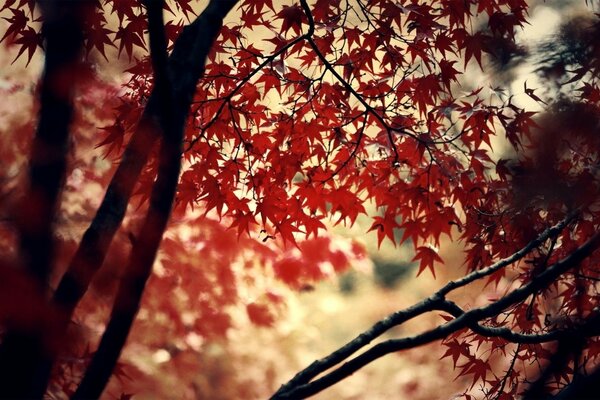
301 386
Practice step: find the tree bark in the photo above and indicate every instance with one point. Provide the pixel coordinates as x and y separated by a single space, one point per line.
172 116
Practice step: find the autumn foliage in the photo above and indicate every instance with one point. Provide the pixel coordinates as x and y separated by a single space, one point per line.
244 130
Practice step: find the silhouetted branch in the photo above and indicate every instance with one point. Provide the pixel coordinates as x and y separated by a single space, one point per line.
300 386
434 302
185 66
143 254
590 327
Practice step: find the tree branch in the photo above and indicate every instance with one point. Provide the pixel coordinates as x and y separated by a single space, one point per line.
143 254
551 232
298 387
185 67
348 86
433 302
589 328
568 345
583 388
267 60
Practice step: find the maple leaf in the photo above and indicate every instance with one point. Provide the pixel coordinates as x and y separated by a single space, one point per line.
458 11
185 7
385 227
413 230
8 4
476 367
244 222
18 23
473 45
97 37
455 350
131 35
124 8
233 35
489 6
353 36
29 40
172 31
312 225
443 44
292 18
259 5
212 194
286 229
271 81
504 24
346 203
426 91
448 72
427 256
114 138
252 18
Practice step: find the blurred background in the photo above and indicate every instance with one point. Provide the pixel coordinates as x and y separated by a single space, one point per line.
262 331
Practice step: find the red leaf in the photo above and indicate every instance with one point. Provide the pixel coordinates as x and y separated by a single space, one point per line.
385 227
473 45
427 256
292 17
455 350
30 40
17 23
124 8
97 36
476 367
131 35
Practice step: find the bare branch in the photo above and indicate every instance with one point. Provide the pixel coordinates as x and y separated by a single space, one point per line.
516 256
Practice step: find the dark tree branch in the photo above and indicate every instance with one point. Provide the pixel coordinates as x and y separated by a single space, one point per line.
21 350
185 67
502 384
299 386
434 302
568 346
63 36
551 232
173 117
590 327
159 57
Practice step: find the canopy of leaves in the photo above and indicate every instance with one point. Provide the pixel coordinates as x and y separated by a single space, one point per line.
309 113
